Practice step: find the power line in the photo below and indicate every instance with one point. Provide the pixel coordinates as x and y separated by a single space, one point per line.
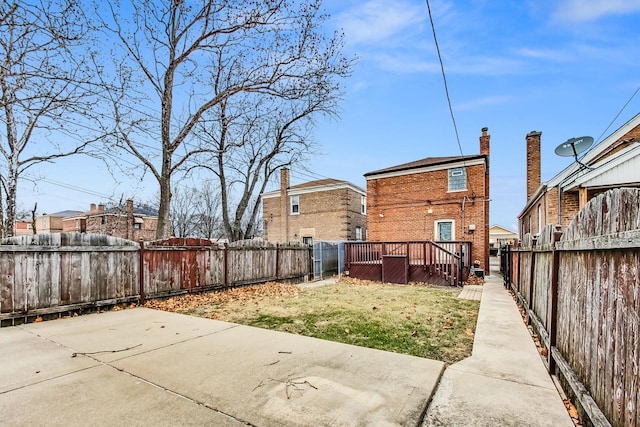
444 79
618 115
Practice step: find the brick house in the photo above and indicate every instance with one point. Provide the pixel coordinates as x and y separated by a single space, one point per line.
52 223
22 227
613 163
500 236
436 198
128 223
326 209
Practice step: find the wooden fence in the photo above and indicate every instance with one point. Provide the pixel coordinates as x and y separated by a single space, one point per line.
54 273
581 292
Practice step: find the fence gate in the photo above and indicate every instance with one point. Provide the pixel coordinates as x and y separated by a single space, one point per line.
328 259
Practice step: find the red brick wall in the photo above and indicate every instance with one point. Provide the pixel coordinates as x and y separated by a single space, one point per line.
533 162
117 225
397 208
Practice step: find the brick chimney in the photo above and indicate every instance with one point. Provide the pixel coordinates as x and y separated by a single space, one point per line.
284 180
484 142
129 212
485 138
100 207
284 205
92 207
533 162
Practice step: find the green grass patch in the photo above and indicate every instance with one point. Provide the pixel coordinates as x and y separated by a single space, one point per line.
419 320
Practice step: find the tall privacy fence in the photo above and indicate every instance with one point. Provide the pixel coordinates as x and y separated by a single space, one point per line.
581 293
54 273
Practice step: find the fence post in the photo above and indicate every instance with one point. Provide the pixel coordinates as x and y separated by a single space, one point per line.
460 265
532 273
311 265
516 288
226 265
553 303
277 261
141 272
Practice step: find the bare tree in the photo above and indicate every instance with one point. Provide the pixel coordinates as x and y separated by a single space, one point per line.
206 213
44 91
182 206
253 139
178 61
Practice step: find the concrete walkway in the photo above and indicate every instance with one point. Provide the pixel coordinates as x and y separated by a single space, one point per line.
147 367
504 382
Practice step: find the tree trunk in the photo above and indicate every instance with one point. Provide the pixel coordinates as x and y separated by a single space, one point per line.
12 184
165 203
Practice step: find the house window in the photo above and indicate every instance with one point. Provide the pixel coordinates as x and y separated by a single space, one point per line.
102 220
358 233
137 226
295 205
445 230
307 241
457 179
539 219
363 205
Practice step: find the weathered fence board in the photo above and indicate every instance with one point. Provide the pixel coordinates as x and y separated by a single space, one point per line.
44 274
35 277
597 315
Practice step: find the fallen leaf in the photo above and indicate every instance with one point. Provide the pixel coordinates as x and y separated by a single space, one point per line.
414 333
543 351
448 325
573 412
469 332
346 330
38 319
395 335
408 316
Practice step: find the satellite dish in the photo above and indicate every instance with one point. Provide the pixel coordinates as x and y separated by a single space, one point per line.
574 146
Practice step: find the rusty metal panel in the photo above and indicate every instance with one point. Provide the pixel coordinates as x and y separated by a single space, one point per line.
179 264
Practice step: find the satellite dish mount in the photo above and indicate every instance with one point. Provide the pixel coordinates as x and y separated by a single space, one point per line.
574 146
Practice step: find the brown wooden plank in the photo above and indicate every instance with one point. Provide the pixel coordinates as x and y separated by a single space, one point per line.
619 356
632 376
7 283
609 349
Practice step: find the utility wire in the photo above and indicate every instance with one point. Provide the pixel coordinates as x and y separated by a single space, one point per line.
618 115
446 90
444 79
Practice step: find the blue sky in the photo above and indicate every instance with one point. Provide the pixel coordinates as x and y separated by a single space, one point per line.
564 67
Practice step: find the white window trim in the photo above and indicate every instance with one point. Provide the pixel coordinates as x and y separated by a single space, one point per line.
363 205
291 204
436 229
358 233
466 180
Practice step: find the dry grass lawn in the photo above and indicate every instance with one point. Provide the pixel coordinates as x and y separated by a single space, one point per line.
419 320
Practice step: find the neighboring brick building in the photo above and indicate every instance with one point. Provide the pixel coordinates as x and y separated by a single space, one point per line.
52 223
327 209
437 198
613 163
128 223
22 227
